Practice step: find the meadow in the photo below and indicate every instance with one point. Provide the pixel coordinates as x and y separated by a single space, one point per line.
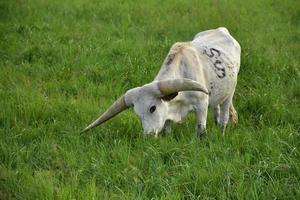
62 63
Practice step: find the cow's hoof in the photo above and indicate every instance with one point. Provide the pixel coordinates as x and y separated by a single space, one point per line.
223 128
201 135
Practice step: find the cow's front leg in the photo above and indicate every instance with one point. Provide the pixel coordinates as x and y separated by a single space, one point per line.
167 128
201 114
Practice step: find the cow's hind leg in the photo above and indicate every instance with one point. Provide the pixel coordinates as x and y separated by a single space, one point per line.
224 114
233 116
216 113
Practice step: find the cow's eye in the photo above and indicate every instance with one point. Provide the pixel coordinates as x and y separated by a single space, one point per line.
152 109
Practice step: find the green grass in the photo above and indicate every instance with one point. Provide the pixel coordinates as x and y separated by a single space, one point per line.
62 63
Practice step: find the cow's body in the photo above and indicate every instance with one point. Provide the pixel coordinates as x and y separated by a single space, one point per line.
212 59
194 75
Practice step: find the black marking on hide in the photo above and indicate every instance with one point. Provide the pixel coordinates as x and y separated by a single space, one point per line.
212 50
183 68
170 59
219 68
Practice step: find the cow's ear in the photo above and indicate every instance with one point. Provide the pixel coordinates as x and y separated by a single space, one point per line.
170 96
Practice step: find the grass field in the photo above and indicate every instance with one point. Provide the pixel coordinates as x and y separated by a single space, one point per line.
62 63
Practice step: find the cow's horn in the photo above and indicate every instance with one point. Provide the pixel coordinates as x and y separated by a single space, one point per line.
167 87
117 107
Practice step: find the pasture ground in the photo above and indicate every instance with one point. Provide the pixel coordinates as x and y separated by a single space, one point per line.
62 63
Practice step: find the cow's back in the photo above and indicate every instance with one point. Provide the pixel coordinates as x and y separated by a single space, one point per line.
221 40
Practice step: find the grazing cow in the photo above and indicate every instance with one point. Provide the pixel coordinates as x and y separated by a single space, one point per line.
194 75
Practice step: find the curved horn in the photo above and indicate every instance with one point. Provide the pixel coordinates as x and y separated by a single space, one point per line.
167 87
117 107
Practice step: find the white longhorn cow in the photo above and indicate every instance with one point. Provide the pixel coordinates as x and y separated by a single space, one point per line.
194 75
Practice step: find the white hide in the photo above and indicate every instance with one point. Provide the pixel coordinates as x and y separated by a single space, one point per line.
230 50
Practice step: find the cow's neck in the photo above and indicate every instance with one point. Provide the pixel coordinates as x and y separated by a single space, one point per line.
178 109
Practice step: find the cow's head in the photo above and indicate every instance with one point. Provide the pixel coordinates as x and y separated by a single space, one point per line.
150 102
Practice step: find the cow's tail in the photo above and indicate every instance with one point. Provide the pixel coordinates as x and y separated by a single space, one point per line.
233 116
